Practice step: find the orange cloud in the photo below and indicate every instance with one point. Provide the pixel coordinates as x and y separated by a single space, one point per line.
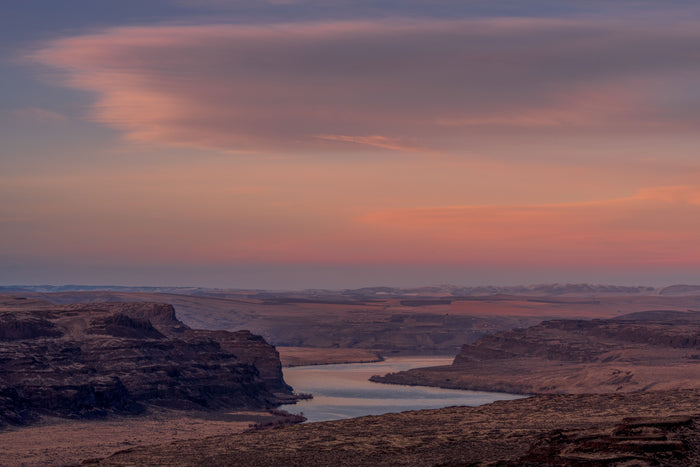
681 194
590 106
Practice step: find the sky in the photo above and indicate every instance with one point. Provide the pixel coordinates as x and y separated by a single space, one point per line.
338 144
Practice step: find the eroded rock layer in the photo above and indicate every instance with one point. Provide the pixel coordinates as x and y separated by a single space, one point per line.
82 360
639 351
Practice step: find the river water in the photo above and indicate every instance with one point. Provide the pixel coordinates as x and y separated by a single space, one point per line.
343 391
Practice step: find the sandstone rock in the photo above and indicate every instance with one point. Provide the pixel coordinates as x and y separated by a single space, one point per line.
91 360
652 349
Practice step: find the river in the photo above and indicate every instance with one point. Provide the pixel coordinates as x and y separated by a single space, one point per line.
344 391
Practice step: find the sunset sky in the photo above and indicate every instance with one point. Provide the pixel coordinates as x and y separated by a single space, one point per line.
335 143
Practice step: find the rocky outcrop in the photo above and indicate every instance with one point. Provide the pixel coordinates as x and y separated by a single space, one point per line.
680 290
245 346
19 328
641 351
253 350
587 340
91 360
633 441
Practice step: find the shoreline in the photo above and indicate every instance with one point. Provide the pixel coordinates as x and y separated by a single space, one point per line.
308 356
540 430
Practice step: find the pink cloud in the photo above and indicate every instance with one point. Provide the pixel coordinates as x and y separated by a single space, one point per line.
679 194
384 85
590 106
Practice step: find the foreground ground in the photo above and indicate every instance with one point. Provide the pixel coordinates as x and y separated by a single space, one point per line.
644 428
58 441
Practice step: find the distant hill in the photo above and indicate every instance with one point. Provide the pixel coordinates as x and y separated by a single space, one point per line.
107 288
680 290
426 320
384 292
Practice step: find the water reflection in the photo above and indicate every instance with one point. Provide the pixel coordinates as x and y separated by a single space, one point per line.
343 391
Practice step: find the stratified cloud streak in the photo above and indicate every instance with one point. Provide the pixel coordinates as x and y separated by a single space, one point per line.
656 226
388 85
373 140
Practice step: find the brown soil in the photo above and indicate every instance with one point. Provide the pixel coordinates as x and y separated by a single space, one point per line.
58 441
592 429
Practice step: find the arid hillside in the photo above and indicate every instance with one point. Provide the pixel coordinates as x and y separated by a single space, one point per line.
638 349
636 352
386 320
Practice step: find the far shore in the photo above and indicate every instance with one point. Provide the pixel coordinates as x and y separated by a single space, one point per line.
303 356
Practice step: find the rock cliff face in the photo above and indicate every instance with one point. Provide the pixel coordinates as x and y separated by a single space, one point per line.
647 350
589 340
90 360
632 441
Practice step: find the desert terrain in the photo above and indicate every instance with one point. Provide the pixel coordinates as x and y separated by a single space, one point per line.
140 372
63 441
79 379
388 321
640 429
640 351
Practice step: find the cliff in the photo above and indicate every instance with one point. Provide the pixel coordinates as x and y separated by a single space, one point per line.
81 360
590 340
648 350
